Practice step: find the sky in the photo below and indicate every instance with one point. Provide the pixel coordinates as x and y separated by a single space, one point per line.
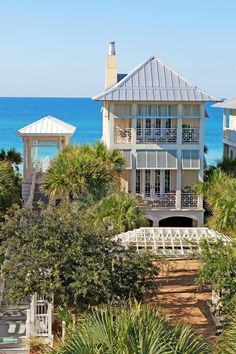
57 48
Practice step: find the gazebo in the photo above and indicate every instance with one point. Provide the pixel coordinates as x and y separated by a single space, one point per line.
42 140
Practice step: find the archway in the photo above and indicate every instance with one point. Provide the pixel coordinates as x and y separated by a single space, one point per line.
177 221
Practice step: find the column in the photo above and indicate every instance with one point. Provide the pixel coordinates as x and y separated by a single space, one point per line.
201 150
133 149
179 158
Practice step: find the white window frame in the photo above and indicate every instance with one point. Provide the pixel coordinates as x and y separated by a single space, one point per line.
190 158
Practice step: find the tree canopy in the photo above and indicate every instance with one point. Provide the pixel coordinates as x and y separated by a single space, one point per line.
219 269
10 187
83 171
60 251
119 212
220 193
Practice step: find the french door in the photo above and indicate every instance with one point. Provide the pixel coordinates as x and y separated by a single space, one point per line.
153 183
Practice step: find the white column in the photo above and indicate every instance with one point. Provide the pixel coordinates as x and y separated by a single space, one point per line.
201 150
133 151
179 158
224 119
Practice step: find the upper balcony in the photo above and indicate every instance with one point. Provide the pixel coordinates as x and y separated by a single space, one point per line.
155 136
230 135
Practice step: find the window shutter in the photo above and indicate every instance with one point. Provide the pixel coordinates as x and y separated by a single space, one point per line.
156 159
141 159
151 159
128 158
190 160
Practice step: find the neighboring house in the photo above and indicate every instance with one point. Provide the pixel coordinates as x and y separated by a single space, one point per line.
229 126
156 117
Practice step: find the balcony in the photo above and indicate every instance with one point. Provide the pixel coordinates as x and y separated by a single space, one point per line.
123 136
230 135
165 200
156 135
169 200
189 200
190 135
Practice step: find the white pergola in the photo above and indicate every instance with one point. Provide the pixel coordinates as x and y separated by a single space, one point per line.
170 242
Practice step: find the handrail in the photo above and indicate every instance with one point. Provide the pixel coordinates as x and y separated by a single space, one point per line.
30 200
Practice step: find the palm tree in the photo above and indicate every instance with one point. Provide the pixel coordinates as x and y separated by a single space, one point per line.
129 330
227 343
12 156
82 171
220 193
119 212
225 164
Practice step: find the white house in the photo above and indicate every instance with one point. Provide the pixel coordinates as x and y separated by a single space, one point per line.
156 117
229 126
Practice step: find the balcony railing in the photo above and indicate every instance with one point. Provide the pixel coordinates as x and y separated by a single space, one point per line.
189 200
165 200
190 135
169 200
230 135
156 135
123 136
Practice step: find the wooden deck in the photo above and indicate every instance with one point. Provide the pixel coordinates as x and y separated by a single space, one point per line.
180 298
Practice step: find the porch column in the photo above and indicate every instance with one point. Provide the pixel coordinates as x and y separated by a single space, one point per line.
179 158
133 152
201 151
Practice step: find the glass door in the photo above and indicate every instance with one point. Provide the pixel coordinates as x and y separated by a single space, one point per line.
152 184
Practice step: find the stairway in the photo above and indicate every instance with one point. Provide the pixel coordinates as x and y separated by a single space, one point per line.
13 329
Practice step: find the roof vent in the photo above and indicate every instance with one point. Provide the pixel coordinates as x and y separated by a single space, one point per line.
112 49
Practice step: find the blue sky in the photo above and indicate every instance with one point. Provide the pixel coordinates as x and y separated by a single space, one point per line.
57 48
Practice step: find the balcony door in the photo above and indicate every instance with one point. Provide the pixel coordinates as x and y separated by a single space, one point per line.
152 183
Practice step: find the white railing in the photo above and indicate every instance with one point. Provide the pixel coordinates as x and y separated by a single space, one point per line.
165 200
41 325
30 200
230 135
156 135
189 200
190 135
123 136
44 164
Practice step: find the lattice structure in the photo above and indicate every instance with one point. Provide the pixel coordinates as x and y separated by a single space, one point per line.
170 242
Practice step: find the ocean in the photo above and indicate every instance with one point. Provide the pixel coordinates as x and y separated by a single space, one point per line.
85 114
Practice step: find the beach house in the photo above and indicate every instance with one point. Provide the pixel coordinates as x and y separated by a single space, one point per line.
229 126
156 118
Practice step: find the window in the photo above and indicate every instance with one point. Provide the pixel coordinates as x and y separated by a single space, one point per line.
157 181
151 110
190 160
123 110
156 159
138 181
128 158
167 181
191 110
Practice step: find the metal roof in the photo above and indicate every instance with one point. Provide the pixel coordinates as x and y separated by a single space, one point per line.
47 126
229 103
154 81
170 241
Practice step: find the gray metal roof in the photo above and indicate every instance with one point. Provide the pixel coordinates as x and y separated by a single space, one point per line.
229 103
47 126
154 81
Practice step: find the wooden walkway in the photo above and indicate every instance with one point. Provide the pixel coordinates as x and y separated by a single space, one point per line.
178 295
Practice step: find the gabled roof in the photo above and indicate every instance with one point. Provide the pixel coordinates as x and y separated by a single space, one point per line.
229 103
47 126
154 81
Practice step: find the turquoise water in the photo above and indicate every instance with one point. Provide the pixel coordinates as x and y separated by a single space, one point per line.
85 114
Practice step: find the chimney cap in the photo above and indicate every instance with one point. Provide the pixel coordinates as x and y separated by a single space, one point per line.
112 48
